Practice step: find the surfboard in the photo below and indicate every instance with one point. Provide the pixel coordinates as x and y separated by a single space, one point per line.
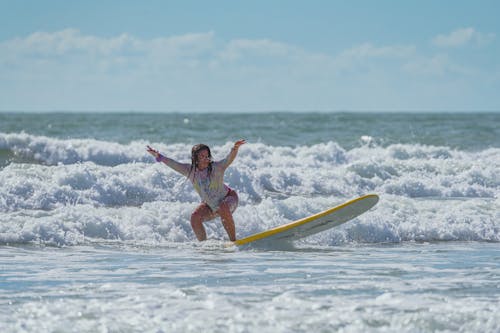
313 224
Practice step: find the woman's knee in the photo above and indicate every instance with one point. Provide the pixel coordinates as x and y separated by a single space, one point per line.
201 214
198 216
195 217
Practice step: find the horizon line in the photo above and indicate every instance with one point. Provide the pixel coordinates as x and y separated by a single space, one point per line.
250 111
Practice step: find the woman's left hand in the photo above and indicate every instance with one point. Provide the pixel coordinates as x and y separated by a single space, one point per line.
238 143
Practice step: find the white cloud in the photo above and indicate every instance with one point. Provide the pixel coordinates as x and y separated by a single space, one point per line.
240 48
71 42
64 42
71 48
188 45
367 50
367 53
68 69
439 65
461 37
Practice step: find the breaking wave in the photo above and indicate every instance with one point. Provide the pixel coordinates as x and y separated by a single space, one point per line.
66 192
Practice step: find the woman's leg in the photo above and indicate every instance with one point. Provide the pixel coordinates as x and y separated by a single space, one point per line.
201 214
225 211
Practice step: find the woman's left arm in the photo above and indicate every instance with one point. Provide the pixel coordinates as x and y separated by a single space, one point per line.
234 151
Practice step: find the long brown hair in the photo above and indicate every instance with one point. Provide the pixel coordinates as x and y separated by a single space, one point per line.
194 158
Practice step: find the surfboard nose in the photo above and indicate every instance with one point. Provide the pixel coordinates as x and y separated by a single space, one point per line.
315 223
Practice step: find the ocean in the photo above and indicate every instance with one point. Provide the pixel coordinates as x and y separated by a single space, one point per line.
95 235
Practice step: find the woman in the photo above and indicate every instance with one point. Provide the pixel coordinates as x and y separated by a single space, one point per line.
207 177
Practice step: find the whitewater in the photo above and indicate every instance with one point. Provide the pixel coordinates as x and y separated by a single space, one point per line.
95 235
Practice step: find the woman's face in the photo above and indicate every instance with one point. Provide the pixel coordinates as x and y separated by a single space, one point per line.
203 159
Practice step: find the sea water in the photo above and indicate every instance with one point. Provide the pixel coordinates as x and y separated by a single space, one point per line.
95 235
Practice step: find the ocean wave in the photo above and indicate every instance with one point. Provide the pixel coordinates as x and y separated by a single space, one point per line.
71 191
51 151
392 221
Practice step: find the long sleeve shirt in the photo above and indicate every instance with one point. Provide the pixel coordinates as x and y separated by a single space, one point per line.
211 188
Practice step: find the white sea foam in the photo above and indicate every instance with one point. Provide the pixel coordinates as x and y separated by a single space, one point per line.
75 191
407 288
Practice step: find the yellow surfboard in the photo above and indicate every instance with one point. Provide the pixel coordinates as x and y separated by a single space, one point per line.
313 224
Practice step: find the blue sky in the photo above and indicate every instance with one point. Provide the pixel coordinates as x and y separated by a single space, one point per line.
249 55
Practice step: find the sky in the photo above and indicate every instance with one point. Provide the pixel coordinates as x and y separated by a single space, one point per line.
249 56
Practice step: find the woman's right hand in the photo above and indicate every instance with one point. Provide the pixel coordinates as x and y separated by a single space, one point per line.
153 152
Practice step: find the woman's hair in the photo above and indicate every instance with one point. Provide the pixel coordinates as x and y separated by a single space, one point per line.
194 158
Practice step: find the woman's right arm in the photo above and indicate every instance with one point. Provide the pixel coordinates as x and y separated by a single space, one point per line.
181 168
